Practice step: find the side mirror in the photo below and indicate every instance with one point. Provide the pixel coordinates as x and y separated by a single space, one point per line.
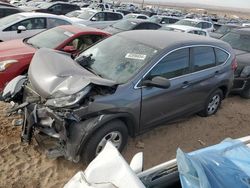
69 49
157 81
21 28
136 163
94 19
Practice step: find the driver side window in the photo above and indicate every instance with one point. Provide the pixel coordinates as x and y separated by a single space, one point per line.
173 65
99 16
83 42
30 24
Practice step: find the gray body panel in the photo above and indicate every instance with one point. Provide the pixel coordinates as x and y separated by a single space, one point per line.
140 108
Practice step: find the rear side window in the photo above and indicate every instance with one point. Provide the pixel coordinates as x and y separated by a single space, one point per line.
113 16
142 17
54 22
221 56
203 58
174 65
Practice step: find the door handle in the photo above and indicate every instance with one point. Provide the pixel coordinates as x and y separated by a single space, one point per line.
185 84
217 72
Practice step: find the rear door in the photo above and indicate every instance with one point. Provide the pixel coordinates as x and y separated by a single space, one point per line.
112 17
204 73
164 104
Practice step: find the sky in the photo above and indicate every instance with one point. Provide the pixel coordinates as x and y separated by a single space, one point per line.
226 3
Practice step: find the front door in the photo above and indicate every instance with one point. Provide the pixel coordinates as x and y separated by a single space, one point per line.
164 104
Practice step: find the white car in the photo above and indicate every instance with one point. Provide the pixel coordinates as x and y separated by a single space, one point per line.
110 170
27 24
136 16
206 25
98 19
185 29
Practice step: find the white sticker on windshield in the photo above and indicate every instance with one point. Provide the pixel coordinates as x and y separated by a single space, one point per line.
136 56
68 34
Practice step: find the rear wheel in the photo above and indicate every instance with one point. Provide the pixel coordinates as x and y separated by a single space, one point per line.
114 131
212 104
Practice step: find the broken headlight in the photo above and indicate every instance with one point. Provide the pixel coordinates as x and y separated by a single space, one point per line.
67 100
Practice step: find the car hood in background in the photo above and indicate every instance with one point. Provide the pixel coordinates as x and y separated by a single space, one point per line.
215 35
55 74
15 49
112 30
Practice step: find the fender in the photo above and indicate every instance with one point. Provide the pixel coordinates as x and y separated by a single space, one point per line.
80 132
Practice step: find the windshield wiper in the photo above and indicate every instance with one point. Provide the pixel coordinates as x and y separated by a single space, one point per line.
85 61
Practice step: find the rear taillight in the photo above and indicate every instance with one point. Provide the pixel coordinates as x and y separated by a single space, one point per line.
234 64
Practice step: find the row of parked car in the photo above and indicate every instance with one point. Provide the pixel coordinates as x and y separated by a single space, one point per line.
83 86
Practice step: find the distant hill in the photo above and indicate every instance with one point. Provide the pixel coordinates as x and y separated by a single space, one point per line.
190 5
197 5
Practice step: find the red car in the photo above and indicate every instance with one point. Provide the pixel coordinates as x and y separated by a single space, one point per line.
15 55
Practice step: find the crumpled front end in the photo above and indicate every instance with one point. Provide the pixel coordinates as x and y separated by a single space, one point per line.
60 131
58 113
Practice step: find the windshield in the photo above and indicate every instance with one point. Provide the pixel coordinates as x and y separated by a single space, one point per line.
10 19
121 60
51 38
44 5
186 22
155 19
238 41
224 29
86 15
124 25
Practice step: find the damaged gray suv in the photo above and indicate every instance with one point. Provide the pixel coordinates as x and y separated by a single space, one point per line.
124 85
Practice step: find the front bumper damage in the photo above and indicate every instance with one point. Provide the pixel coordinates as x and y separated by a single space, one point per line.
60 134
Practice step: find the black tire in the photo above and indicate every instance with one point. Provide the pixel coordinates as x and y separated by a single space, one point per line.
245 93
206 112
90 148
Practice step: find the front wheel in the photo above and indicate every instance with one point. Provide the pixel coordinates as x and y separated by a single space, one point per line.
114 131
212 104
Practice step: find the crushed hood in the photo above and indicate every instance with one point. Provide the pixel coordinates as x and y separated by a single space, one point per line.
53 74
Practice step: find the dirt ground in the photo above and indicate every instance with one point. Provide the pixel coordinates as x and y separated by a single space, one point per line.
24 166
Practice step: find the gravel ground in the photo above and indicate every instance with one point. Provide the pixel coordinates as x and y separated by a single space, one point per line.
24 166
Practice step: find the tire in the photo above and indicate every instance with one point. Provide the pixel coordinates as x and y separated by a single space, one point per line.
245 93
212 104
111 129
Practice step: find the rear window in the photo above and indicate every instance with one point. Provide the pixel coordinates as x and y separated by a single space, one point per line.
221 56
203 58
